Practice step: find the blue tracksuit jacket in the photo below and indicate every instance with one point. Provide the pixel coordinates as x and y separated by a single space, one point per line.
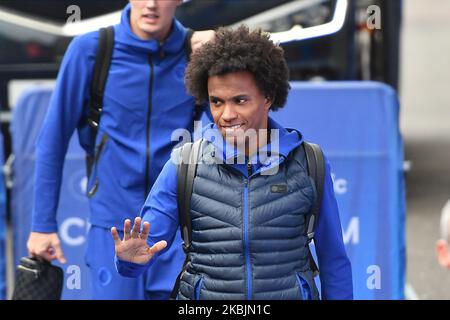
145 101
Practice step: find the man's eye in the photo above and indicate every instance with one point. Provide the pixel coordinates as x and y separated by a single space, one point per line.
215 102
241 101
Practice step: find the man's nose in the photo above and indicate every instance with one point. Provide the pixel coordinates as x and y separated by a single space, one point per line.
151 3
229 113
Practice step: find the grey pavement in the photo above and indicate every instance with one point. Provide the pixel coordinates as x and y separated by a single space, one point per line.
425 125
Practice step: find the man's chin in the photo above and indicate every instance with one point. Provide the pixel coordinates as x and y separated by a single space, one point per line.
150 29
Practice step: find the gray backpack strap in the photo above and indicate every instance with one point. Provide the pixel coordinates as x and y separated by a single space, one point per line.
316 170
186 171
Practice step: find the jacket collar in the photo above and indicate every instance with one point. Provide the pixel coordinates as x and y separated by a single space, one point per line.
173 44
283 142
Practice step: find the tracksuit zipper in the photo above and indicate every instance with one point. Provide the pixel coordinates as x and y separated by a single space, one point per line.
149 115
246 237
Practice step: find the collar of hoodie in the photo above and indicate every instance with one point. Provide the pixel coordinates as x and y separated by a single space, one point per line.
288 140
174 42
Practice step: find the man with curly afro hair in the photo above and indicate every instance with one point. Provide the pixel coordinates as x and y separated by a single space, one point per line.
242 194
236 51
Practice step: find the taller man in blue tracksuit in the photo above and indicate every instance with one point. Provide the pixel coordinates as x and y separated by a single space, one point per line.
144 102
248 211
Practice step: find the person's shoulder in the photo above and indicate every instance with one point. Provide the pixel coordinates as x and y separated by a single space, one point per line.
86 43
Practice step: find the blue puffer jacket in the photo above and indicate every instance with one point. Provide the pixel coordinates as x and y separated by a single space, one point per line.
145 101
248 242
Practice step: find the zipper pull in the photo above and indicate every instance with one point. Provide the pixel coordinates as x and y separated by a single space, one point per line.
249 169
160 50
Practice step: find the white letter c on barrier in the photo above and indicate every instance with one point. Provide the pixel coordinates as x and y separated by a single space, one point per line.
64 231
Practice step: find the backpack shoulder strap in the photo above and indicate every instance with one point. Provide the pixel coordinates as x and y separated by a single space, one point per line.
187 43
316 170
100 75
198 108
187 169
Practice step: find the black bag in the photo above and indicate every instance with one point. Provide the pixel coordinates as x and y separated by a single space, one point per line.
37 280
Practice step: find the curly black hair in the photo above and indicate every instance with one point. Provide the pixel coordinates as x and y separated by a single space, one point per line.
240 50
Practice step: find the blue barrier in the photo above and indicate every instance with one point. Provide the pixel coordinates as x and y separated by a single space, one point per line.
357 125
73 210
3 281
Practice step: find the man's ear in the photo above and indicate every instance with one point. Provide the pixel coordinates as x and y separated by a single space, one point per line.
268 103
443 254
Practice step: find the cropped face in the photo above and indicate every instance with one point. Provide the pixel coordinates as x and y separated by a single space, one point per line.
443 253
152 19
237 105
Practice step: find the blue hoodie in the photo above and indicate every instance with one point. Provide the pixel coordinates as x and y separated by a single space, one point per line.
145 101
161 210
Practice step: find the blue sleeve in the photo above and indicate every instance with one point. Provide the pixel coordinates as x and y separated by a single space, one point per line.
334 264
161 211
69 97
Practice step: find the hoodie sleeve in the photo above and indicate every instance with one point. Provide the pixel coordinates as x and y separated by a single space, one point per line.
334 264
64 113
161 211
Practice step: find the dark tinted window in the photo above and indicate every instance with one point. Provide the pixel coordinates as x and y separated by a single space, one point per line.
204 14
56 10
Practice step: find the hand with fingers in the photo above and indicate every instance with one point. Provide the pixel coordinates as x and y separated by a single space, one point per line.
199 38
45 246
134 247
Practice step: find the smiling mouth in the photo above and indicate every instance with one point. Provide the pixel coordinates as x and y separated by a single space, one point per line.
151 16
233 127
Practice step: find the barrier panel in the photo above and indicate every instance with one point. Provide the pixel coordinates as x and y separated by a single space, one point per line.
357 125
73 209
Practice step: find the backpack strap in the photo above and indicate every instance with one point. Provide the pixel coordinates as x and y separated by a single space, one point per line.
186 171
99 77
187 43
198 108
101 70
316 170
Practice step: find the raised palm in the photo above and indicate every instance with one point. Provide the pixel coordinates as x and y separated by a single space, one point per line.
134 247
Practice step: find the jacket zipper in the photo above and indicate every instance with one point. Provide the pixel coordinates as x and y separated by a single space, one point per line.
246 238
149 114
305 289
